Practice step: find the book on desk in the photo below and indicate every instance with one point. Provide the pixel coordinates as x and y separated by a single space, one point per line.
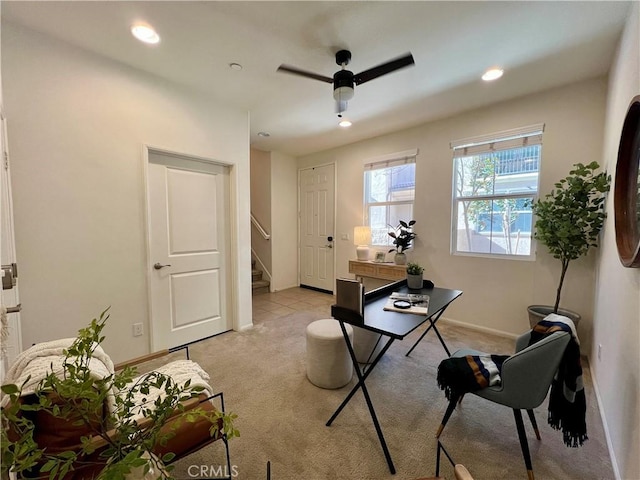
350 295
417 304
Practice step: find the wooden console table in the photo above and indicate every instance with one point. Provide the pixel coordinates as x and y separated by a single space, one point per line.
382 271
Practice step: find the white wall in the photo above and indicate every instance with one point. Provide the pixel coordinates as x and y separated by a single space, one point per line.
77 126
284 224
496 291
261 207
617 308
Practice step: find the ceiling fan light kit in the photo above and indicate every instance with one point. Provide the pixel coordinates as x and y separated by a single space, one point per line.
344 80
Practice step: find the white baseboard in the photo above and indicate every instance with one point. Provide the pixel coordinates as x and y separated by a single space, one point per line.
479 328
614 463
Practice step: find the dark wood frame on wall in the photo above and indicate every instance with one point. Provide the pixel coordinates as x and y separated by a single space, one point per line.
627 193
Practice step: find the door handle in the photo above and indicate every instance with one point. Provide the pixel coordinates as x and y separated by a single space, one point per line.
158 266
329 245
15 309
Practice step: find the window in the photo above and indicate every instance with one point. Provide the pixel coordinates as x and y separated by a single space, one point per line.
495 183
389 187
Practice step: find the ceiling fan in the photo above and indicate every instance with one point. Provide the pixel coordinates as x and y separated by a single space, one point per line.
344 80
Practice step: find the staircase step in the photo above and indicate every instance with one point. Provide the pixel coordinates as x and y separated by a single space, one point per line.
256 275
261 286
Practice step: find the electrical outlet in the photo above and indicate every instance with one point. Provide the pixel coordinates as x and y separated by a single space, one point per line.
137 329
599 351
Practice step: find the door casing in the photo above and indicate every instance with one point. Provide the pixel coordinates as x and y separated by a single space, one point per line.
333 221
231 296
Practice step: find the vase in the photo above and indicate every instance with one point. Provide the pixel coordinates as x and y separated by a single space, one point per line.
400 259
414 282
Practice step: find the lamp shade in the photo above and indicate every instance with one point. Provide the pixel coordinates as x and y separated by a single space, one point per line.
362 238
362 235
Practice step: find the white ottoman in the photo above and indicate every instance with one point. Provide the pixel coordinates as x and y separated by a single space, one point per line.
328 361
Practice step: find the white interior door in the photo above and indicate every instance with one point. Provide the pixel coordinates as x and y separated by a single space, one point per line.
11 340
188 203
317 224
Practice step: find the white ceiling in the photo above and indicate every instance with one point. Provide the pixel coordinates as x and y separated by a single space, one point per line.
539 44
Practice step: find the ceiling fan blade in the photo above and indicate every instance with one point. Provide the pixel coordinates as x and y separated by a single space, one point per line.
375 72
303 73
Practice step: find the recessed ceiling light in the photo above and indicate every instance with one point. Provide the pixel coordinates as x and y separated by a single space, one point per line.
145 33
492 74
264 134
235 66
344 123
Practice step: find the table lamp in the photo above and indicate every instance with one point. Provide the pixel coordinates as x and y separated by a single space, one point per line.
362 239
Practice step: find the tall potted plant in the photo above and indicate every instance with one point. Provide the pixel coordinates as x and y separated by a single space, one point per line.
569 219
402 236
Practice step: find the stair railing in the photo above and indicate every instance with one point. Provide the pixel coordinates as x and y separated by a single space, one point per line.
266 274
260 228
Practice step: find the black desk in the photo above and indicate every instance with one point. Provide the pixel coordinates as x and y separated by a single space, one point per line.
393 325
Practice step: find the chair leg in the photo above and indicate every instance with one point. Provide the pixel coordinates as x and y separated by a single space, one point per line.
532 417
447 414
524 445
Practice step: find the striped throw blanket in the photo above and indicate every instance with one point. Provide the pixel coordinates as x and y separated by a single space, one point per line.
459 375
567 402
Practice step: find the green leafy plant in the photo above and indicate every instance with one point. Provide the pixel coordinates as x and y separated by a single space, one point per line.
414 269
402 236
570 217
114 442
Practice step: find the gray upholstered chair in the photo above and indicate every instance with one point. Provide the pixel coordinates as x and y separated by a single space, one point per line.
526 378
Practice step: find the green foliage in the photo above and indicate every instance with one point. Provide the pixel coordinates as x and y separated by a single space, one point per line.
571 216
402 236
117 441
414 269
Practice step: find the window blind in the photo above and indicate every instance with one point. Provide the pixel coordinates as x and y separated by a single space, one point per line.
517 137
391 160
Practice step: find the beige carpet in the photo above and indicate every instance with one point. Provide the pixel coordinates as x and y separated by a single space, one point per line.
282 416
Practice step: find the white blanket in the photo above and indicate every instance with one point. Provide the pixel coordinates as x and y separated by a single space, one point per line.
180 371
35 363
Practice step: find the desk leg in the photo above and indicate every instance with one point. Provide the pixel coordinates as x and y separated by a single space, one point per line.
441 340
432 321
361 385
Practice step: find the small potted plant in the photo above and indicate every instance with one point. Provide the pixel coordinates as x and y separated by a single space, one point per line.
414 276
569 220
402 237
